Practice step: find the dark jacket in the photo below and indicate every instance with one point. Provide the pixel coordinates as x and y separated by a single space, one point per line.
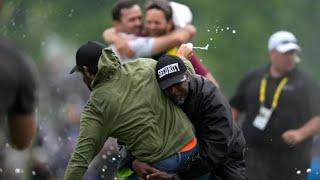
210 113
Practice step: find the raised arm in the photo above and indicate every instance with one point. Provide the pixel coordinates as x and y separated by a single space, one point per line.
175 38
121 43
148 46
89 143
110 36
201 69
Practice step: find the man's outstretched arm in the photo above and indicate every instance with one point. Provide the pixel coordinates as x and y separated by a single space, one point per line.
89 143
175 38
295 136
148 46
111 36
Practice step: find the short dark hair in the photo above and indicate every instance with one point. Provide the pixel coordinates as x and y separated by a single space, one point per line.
162 5
119 5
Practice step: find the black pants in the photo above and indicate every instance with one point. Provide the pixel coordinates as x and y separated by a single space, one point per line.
233 169
272 163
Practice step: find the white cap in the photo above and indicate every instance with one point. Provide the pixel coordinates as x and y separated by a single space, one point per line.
181 14
283 41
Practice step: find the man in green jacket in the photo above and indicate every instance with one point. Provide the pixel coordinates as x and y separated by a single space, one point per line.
125 103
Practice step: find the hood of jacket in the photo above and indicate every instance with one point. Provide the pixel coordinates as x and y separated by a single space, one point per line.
108 66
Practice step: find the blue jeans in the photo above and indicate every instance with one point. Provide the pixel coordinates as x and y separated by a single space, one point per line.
177 162
173 164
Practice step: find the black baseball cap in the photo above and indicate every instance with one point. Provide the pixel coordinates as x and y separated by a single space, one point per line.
170 70
88 55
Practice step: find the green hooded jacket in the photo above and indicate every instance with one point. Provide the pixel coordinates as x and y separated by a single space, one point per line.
126 103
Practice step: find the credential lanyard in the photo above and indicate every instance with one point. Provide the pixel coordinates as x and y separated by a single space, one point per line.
276 96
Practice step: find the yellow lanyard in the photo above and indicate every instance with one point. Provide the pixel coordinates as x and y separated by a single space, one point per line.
276 96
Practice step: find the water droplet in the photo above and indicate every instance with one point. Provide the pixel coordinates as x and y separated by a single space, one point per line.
69 138
228 28
208 30
298 172
33 173
104 156
113 159
71 13
211 39
234 31
222 29
17 171
308 170
103 170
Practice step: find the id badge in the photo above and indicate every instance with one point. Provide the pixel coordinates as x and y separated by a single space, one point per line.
262 118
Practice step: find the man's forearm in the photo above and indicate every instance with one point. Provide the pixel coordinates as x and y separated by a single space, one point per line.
212 79
163 43
89 143
80 159
22 129
311 127
74 171
111 36
173 39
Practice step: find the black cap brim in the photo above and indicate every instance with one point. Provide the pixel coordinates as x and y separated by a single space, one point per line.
74 69
171 81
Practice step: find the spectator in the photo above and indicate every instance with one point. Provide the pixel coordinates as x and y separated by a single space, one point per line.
18 95
282 113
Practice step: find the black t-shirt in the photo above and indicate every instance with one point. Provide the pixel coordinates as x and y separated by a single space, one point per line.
17 82
298 102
